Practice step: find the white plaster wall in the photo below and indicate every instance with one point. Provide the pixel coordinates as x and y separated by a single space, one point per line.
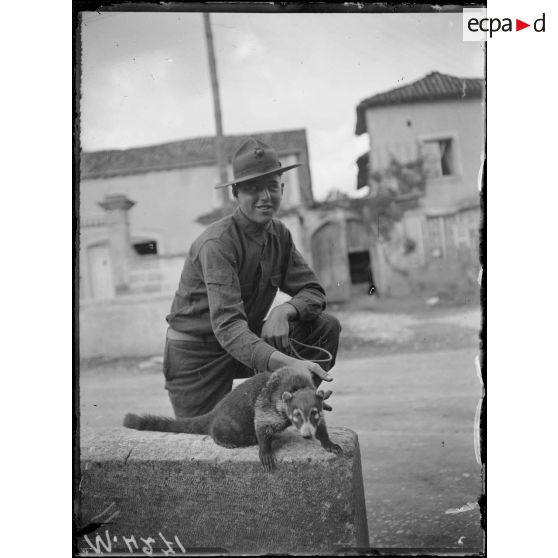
397 129
291 193
167 203
292 222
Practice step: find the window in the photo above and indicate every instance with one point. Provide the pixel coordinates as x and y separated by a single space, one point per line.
145 248
434 234
439 157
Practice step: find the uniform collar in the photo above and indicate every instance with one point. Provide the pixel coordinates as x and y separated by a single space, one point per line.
253 230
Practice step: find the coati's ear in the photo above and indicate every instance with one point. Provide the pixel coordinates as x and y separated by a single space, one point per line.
327 394
320 393
286 396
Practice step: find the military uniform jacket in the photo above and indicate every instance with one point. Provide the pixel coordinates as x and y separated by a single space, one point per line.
229 281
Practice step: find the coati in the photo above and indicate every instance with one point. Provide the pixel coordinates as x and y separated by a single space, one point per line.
254 412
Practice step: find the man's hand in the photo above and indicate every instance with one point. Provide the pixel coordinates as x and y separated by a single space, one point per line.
275 330
277 360
313 368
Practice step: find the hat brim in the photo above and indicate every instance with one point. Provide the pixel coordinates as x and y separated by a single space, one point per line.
279 170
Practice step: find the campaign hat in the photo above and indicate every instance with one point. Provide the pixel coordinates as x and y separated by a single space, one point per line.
254 159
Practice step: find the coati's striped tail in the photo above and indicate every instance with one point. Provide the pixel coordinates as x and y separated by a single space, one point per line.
194 425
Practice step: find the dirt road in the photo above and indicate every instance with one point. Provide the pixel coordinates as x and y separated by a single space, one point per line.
414 414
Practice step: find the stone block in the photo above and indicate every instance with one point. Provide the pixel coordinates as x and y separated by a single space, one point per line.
183 492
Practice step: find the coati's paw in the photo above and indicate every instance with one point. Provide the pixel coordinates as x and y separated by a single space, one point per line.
335 448
267 462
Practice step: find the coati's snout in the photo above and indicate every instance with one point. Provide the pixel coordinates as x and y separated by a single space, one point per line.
304 409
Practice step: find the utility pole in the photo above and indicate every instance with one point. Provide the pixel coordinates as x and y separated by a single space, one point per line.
219 142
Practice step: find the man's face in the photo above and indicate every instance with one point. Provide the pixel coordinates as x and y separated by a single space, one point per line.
260 199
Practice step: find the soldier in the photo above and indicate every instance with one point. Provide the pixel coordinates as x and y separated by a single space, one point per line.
230 278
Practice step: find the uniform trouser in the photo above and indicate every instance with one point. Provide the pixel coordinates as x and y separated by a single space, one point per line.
198 374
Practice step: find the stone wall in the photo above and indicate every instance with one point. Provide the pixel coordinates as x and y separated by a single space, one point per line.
131 325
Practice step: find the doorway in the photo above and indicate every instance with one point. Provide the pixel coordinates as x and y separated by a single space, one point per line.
359 267
330 262
362 277
100 271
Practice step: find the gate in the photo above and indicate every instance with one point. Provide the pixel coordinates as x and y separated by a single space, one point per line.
329 256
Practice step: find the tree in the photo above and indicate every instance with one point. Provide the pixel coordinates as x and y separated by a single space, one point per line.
393 191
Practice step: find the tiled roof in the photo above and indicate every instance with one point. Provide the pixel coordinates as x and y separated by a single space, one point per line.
433 87
180 154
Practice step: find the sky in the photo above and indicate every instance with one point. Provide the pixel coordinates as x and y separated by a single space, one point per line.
145 77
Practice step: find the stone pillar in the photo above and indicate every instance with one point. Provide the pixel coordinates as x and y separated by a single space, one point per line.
343 263
120 245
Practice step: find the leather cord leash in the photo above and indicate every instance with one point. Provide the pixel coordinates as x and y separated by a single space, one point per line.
329 358
294 352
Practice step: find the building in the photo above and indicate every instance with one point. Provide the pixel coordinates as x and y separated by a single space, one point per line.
440 120
139 208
